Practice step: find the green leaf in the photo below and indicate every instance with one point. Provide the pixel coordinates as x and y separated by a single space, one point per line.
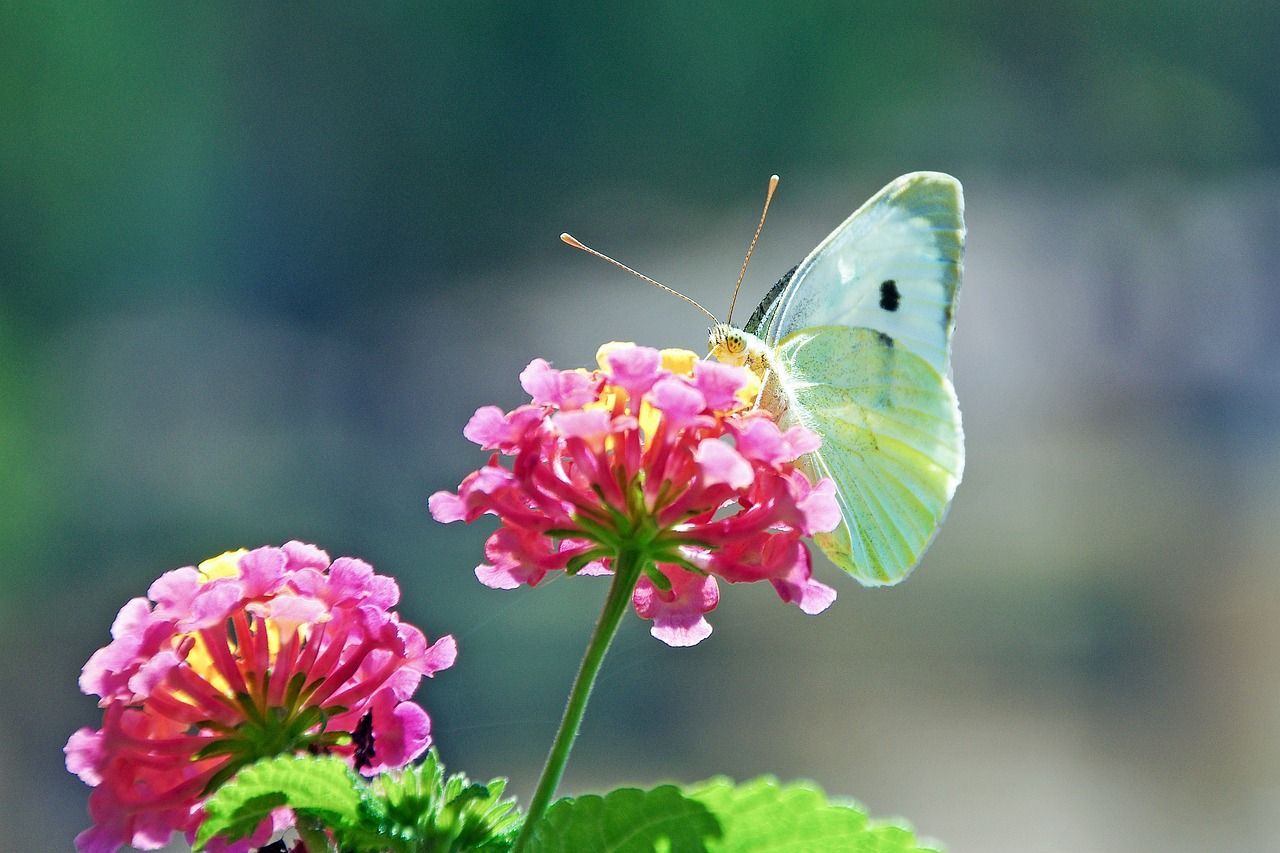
320 787
717 816
627 820
766 816
418 810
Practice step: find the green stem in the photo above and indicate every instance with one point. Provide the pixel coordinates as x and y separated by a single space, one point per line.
626 572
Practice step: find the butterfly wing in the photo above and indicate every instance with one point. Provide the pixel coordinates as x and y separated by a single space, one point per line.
894 266
891 441
765 312
865 365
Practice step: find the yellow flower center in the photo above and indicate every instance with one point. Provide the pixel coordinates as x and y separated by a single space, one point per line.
678 361
227 565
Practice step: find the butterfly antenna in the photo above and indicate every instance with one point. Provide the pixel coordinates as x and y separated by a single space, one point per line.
768 197
575 243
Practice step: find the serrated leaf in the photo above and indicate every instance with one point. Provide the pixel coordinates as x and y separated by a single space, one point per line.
627 820
764 816
322 787
418 810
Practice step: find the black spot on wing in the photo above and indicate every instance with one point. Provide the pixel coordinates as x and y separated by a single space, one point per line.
889 295
887 356
757 317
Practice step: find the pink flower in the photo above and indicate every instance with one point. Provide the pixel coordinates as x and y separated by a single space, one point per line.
251 654
634 456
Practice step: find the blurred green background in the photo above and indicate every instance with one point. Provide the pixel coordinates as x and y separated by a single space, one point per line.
259 263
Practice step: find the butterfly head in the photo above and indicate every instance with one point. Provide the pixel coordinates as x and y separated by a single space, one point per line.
727 343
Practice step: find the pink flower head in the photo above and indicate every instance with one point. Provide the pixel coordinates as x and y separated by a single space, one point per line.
249 655
634 456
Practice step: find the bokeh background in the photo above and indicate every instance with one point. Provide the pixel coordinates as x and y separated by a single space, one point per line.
259 263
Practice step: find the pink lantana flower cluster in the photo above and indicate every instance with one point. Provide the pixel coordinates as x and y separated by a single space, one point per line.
249 655
634 456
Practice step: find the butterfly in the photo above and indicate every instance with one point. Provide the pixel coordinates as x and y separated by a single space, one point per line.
855 344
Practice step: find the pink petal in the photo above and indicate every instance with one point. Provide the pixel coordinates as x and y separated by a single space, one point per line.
302 555
476 495
801 440
531 548
261 571
584 424
565 389
759 439
85 755
720 384
153 832
401 732
139 634
99 676
441 655
489 480
308 581
172 591
539 382
290 611
349 579
634 368
720 463
797 586
382 591
680 403
815 597
150 675
817 503
493 430
681 630
446 507
487 427
99 838
507 575
132 620
677 614
214 603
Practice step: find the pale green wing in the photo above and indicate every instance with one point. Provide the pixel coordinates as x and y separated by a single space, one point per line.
894 266
891 441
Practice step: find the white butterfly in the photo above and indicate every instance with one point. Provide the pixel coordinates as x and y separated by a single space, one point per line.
855 344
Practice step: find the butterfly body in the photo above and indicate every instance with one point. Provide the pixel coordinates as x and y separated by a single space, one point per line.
855 344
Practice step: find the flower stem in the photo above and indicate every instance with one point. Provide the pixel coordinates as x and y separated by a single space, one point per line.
626 572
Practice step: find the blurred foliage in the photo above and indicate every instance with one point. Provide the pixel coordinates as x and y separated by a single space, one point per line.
286 153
